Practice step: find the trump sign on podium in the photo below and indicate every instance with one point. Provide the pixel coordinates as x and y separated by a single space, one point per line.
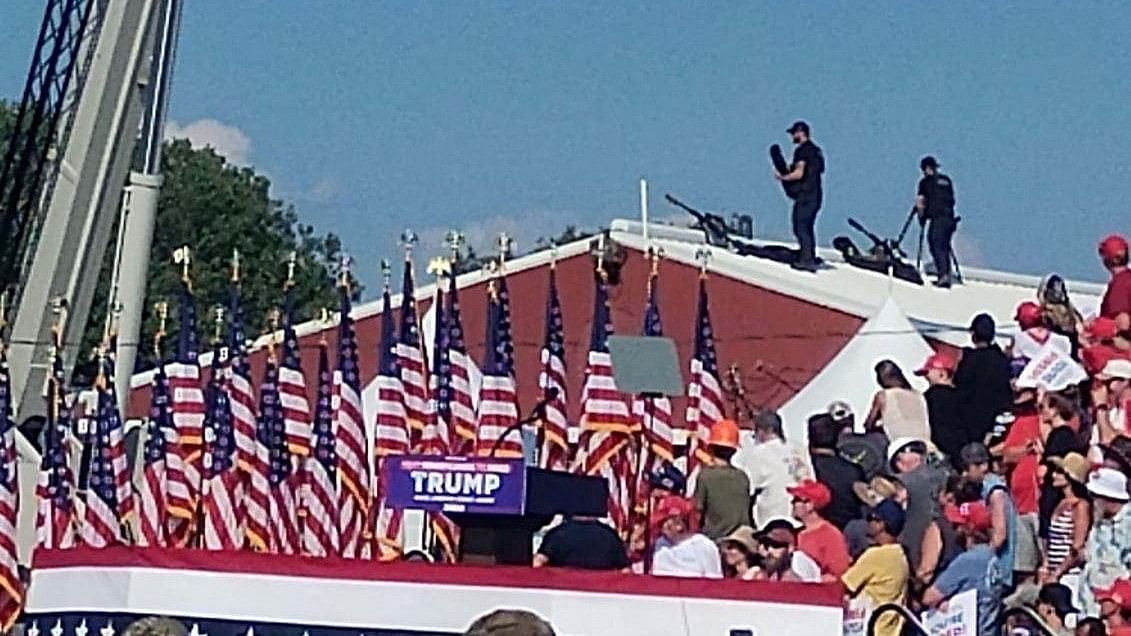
480 485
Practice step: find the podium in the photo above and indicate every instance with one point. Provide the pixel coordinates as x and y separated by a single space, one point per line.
498 503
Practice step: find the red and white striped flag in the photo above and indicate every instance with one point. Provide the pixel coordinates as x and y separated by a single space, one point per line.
251 451
391 436
410 360
352 440
498 402
282 503
55 517
152 491
222 485
654 414
11 587
704 393
182 464
460 406
320 492
606 425
437 434
292 385
108 496
552 381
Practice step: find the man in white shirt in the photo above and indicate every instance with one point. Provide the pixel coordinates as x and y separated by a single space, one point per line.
772 466
687 553
1034 334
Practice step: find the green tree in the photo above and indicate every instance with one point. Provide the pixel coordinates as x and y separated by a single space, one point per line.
215 208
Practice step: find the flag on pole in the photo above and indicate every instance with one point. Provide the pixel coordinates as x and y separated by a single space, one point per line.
320 524
108 496
11 587
281 501
251 447
152 491
555 426
222 487
55 518
182 464
437 440
461 407
704 393
410 360
392 433
292 383
498 407
605 421
352 440
655 414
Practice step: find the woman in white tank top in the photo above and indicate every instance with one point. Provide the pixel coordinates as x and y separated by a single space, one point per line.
897 409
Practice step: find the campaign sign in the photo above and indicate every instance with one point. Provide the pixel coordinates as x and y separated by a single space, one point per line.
456 484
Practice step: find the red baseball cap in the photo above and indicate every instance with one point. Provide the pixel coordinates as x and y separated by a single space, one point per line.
812 491
1103 328
1028 314
1119 593
1113 246
937 361
672 506
974 514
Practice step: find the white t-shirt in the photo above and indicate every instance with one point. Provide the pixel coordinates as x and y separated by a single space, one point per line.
1028 343
694 557
772 467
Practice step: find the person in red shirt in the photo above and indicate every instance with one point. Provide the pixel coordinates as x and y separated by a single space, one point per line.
1117 297
1115 606
1021 454
1101 348
819 539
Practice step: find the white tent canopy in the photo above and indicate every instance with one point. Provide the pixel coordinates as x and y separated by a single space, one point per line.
850 377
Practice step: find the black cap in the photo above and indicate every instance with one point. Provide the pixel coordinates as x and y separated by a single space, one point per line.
928 162
983 327
798 125
1059 597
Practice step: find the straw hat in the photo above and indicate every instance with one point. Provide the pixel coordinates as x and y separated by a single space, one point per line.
1074 465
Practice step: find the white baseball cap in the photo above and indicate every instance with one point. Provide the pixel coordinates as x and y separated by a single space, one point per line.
900 444
1118 368
1109 484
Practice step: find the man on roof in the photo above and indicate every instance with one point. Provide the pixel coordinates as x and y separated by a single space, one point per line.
1116 302
808 166
935 204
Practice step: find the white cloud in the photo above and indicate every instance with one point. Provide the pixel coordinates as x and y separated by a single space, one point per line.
324 190
228 141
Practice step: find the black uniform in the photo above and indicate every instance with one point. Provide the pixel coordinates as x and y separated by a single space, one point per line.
938 193
808 201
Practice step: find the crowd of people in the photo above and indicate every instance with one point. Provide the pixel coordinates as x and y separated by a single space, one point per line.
999 479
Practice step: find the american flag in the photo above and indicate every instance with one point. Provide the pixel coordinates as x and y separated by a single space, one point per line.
410 359
461 407
704 394
498 408
222 486
108 497
392 433
605 421
655 414
352 441
152 490
555 453
11 588
320 492
55 519
281 477
292 384
241 395
182 464
437 438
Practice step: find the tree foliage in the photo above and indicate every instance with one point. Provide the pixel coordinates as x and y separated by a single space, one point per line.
214 208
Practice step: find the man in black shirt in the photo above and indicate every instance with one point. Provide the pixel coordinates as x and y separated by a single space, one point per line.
944 406
582 542
834 471
935 203
982 380
808 166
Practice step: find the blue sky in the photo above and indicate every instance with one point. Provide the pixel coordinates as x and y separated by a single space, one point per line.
528 116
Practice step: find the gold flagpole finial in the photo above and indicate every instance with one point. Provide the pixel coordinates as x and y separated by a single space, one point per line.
455 241
326 319
553 254
183 256
386 272
506 245
236 266
218 322
344 271
292 262
273 318
162 309
703 255
409 239
439 267
655 255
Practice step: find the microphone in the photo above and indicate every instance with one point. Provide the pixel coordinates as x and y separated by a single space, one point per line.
537 413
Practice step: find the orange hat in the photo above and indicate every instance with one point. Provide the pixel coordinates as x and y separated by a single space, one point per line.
939 361
724 433
672 506
1119 593
1028 314
974 514
1113 246
812 491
